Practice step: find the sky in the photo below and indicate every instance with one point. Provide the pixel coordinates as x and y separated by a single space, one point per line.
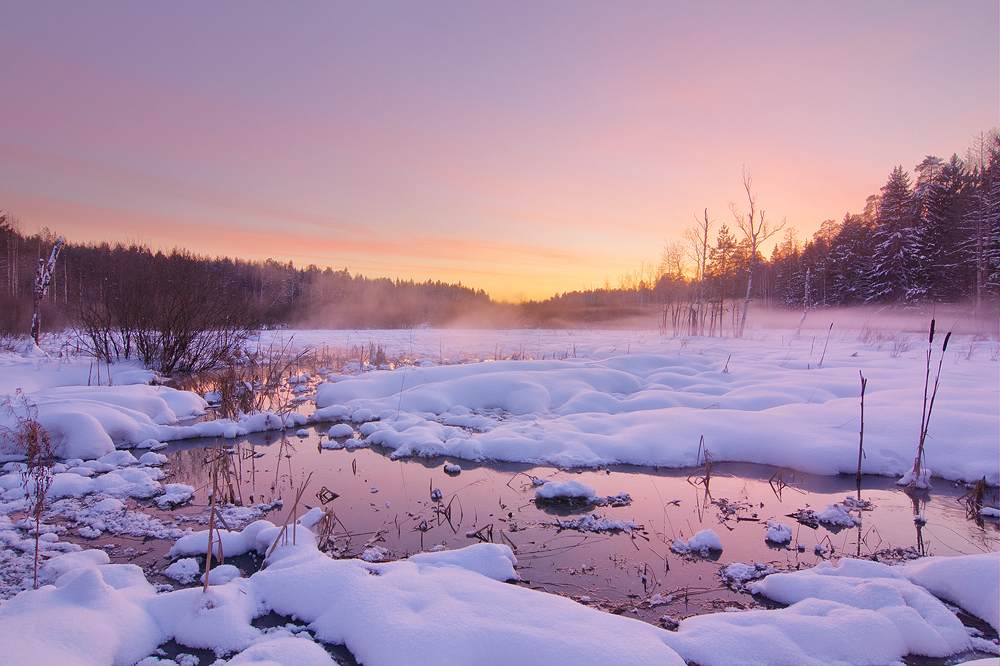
524 148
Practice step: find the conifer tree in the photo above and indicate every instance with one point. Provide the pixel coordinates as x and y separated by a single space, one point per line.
892 263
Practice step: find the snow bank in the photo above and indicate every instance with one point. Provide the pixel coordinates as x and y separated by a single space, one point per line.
902 616
970 581
773 406
452 607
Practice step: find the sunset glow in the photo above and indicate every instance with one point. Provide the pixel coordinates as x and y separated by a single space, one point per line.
522 148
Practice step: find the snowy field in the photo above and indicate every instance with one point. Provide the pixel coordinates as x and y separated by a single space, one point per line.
566 398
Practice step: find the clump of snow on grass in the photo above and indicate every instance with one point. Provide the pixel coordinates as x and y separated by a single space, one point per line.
702 543
173 495
221 574
597 523
374 554
778 532
185 570
736 575
571 489
923 480
283 650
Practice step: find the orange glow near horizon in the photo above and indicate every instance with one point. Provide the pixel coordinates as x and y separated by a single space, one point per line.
525 151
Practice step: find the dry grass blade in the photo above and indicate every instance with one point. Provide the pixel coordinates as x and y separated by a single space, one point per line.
284 528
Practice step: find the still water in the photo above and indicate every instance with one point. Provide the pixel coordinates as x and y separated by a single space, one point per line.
409 505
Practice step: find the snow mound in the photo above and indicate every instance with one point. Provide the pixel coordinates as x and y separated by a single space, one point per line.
778 532
702 543
970 581
565 490
902 615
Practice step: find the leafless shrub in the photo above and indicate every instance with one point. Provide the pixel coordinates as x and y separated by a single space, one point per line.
188 319
900 345
11 343
872 335
30 438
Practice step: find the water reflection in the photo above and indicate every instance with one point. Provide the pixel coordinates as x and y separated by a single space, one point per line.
374 502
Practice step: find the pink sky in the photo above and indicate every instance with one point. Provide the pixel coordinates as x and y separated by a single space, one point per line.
525 148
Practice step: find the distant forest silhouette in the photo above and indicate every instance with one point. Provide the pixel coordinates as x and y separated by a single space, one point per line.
930 238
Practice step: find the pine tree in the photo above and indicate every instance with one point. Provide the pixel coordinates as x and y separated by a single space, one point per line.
941 267
892 264
850 262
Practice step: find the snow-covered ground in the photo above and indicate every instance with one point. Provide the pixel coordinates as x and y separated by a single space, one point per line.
571 398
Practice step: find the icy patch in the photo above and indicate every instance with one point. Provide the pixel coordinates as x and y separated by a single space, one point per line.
97 514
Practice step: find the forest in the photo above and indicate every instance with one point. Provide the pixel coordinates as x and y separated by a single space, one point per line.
930 237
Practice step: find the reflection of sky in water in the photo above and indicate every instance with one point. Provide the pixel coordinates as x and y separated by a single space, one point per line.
495 502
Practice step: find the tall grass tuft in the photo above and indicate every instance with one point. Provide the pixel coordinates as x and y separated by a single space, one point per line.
861 436
928 406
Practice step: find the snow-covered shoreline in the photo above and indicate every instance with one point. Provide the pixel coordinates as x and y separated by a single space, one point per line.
626 397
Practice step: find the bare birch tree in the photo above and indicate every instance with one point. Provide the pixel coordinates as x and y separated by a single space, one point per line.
42 280
756 229
697 238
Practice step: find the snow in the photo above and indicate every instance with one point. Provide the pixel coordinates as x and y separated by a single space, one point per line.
702 542
904 615
452 607
184 571
607 405
565 490
774 406
837 515
778 532
340 430
972 582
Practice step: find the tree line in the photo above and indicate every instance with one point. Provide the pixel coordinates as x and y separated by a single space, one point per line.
930 238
